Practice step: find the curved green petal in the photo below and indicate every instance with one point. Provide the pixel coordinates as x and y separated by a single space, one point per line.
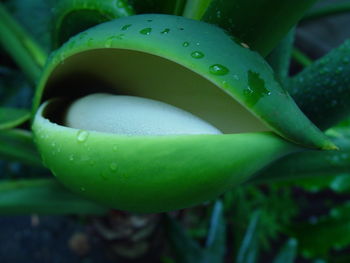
204 50
152 173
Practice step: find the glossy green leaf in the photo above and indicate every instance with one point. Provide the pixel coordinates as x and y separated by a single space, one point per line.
262 24
240 76
322 90
12 117
42 196
18 145
72 17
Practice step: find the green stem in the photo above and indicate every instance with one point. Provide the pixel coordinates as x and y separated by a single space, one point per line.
322 90
194 9
23 49
327 11
301 58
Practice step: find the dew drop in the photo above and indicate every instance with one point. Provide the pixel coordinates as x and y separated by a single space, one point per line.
125 27
71 157
185 44
197 54
165 31
256 89
113 167
109 41
82 136
245 45
225 85
146 31
218 69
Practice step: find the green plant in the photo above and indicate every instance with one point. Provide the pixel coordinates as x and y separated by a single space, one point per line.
217 73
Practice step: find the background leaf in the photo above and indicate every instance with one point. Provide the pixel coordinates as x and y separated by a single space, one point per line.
18 145
11 117
42 196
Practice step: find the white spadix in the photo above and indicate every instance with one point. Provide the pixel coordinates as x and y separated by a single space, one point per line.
133 116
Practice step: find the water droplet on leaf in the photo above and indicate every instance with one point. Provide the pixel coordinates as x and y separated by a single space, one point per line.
82 136
218 69
197 54
125 27
165 31
256 89
146 31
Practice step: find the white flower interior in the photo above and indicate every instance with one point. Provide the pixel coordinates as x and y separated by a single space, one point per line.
132 115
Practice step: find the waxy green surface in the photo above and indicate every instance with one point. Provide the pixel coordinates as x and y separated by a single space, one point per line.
206 50
152 173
